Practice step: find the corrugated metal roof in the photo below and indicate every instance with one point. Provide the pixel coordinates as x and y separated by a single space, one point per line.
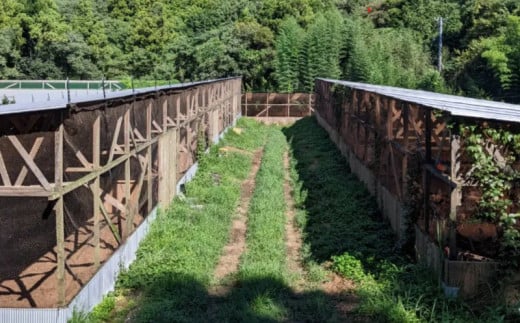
62 103
455 105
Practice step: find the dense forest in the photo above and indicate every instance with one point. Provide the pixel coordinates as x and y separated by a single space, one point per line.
274 45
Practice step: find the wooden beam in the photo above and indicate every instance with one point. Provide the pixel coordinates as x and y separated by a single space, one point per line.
406 134
114 146
109 221
108 198
96 190
25 191
149 178
127 128
30 162
79 155
103 169
3 172
60 222
34 151
426 174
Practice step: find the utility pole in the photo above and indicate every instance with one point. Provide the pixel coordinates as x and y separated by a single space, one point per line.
439 64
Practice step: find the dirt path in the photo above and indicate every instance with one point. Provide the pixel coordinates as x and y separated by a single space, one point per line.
230 259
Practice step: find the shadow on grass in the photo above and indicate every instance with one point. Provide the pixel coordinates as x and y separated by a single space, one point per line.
264 299
342 216
342 219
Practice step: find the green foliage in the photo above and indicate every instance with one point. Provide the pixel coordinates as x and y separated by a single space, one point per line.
391 57
193 40
322 48
287 61
349 266
496 177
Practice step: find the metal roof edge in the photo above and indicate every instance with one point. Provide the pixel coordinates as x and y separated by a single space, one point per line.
455 105
22 108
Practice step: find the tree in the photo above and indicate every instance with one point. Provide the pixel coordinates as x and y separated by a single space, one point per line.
287 60
322 48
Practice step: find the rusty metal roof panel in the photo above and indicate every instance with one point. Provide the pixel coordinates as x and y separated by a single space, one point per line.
455 105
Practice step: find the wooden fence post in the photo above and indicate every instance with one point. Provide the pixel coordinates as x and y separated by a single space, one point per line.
60 221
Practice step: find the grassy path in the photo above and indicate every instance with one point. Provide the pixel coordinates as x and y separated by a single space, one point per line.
315 249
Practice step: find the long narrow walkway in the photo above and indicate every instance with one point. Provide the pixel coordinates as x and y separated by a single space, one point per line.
248 265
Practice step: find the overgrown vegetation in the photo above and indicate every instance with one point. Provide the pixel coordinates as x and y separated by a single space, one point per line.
342 230
341 223
494 154
174 266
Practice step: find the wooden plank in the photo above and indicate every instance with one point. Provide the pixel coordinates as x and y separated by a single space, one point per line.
378 125
30 162
3 172
109 221
34 151
389 120
406 134
149 182
96 190
60 221
426 174
78 170
24 191
395 173
114 146
140 137
108 198
79 155
173 164
127 130
164 115
157 127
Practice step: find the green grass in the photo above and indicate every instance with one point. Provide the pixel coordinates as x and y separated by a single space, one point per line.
263 290
175 262
340 225
340 222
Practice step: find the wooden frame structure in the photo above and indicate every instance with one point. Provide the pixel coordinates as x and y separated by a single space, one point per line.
414 164
277 105
98 168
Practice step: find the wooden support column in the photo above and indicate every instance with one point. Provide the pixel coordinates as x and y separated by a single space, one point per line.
60 221
406 135
149 179
456 194
426 173
267 105
288 104
96 191
128 193
167 167
245 102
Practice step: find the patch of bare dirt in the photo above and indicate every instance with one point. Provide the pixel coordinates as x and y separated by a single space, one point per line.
227 149
230 259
